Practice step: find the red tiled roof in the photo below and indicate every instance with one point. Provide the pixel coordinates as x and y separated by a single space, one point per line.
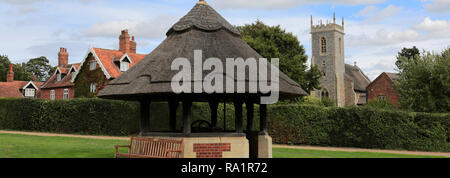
108 56
65 82
12 89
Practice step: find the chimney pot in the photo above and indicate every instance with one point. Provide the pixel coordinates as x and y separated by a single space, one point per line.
63 57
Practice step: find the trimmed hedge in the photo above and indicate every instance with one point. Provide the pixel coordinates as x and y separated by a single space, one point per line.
361 127
83 116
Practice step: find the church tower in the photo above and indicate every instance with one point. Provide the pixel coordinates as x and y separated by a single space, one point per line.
328 54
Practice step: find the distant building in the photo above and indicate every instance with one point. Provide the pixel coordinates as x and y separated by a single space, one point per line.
345 84
382 88
18 89
103 65
60 85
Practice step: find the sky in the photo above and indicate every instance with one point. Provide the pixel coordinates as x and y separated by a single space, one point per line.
376 30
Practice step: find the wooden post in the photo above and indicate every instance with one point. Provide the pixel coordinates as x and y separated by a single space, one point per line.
238 115
250 109
145 115
187 117
173 106
213 105
263 118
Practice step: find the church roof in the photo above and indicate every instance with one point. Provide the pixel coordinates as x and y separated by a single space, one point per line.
360 80
201 29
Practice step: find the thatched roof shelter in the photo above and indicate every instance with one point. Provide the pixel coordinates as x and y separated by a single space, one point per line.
201 29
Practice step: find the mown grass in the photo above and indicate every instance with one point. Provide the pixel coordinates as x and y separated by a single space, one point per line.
26 146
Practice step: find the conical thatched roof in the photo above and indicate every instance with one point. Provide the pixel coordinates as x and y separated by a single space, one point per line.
201 29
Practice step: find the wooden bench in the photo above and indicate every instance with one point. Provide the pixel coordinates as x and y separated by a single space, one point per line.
151 148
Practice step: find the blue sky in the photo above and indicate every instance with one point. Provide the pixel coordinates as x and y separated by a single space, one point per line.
375 29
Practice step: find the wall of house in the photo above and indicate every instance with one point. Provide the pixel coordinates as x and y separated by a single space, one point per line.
59 93
383 86
86 76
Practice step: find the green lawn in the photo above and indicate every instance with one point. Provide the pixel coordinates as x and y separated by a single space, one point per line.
25 146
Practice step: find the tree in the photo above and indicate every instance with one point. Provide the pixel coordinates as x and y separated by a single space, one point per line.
4 67
40 68
424 83
406 55
21 73
274 42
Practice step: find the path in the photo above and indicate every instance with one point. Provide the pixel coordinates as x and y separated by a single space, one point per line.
274 145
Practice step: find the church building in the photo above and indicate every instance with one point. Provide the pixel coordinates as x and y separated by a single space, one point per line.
343 83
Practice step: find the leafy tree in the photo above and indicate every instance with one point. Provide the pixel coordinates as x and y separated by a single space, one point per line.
274 42
40 68
424 83
4 67
21 73
406 55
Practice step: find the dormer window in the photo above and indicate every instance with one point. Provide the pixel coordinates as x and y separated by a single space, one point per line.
58 77
93 65
124 65
30 92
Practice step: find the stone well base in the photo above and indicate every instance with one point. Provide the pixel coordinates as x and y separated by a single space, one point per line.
213 147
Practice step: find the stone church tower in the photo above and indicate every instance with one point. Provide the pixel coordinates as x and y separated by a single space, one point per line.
345 84
328 54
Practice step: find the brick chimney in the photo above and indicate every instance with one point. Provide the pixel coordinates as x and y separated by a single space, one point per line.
124 42
132 46
10 74
63 57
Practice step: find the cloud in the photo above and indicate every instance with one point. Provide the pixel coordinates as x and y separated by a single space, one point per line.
153 28
283 4
373 14
437 6
436 28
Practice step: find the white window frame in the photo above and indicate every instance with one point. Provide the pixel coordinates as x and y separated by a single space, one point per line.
124 66
30 92
93 87
93 65
52 94
66 94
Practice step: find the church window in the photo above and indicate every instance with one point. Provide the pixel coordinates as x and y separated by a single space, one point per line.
323 44
340 46
325 94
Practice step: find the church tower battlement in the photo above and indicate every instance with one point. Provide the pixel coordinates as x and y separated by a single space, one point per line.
328 54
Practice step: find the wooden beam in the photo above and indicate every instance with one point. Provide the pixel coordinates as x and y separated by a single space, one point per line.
187 117
145 115
263 118
173 106
250 109
238 115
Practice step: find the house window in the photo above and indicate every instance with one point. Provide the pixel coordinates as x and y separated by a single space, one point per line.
30 92
381 97
73 76
66 94
93 65
52 94
124 66
58 77
93 87
323 44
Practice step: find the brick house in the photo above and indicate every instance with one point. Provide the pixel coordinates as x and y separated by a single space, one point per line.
60 85
18 89
382 88
100 66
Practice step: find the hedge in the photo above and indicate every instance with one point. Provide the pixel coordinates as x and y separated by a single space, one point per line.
82 116
362 127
